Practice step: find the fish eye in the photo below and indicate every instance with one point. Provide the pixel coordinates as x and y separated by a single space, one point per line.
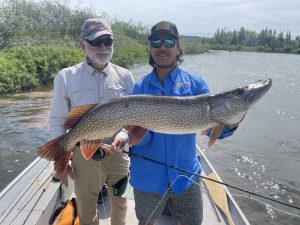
240 91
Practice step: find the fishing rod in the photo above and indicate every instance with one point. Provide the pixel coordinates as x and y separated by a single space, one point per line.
36 178
206 178
36 202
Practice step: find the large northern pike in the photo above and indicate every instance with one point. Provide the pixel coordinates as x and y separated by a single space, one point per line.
163 114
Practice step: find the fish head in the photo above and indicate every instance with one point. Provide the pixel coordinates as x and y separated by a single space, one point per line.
230 107
254 92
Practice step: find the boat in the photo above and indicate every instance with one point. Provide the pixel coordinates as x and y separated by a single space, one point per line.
32 197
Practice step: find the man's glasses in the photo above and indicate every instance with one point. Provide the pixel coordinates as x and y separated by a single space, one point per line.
168 43
98 41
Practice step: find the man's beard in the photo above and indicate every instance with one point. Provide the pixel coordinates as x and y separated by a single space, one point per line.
166 66
95 59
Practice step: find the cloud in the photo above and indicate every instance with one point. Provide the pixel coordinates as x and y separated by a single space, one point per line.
204 17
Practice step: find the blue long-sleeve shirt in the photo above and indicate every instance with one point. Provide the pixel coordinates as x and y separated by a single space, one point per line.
176 150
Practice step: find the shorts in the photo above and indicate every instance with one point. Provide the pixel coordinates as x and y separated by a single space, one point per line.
186 208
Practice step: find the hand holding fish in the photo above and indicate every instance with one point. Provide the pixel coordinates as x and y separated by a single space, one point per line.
205 132
114 147
118 143
233 126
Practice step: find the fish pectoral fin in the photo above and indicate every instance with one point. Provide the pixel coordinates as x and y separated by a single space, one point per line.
136 134
76 113
89 147
215 133
52 151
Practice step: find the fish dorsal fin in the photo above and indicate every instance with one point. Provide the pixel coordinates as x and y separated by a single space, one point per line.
76 113
136 134
215 133
89 147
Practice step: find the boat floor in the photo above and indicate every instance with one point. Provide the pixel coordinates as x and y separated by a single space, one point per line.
211 216
32 197
30 208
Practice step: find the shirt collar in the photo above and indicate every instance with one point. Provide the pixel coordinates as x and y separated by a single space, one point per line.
173 75
108 69
91 70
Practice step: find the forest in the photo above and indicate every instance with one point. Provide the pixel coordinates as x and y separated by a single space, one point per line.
266 40
39 38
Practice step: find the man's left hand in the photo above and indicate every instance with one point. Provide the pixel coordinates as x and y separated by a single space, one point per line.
118 143
234 126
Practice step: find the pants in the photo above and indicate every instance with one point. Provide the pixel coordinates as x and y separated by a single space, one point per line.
186 207
90 176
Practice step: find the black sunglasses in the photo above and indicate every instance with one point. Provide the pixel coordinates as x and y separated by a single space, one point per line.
168 43
98 41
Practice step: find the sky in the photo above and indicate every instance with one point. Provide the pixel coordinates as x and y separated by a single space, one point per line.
203 17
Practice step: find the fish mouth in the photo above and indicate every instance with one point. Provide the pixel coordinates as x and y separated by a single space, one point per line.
253 92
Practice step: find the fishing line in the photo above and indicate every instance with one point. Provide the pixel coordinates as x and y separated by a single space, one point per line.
203 177
102 196
244 196
166 192
97 167
282 211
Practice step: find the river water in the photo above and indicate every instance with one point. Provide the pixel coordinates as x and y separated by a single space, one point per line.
263 155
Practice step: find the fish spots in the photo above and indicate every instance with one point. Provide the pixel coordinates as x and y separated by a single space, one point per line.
125 104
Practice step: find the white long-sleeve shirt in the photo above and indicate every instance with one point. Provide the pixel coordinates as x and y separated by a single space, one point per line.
81 85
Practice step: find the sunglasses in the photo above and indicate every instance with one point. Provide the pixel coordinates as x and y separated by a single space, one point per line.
98 41
168 43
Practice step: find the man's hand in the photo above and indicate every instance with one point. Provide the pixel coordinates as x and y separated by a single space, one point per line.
64 176
118 143
234 126
205 132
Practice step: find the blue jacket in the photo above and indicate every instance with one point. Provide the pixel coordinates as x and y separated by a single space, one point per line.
176 150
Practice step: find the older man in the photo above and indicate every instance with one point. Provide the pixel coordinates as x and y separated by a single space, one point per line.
93 81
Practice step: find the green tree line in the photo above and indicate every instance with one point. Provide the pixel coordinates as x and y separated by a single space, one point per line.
39 38
267 40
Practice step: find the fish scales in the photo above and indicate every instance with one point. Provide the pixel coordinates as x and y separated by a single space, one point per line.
164 114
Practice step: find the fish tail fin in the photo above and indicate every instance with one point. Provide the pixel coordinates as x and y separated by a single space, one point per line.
214 134
52 151
61 164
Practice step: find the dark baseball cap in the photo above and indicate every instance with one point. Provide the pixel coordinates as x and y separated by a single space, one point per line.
164 27
93 28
